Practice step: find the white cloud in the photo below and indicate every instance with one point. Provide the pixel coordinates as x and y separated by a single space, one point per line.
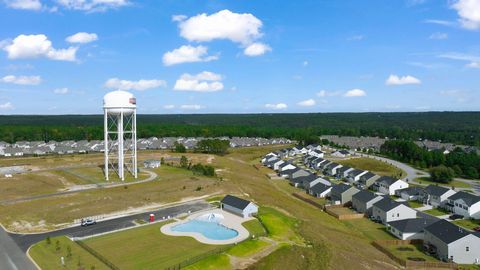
22 80
305 63
24 4
239 28
325 93
474 65
256 49
203 82
469 12
355 93
61 91
6 106
169 107
82 37
473 60
396 80
278 106
356 38
438 36
307 103
92 5
35 46
191 107
440 22
178 18
140 85
188 54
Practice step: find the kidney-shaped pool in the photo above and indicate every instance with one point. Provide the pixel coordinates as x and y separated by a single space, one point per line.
209 229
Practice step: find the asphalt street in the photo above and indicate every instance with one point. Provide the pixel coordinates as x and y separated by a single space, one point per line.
13 246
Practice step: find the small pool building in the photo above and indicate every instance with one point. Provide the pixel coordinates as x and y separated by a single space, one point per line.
239 206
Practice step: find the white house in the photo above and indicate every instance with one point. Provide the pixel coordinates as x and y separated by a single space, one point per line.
316 153
341 153
465 204
388 185
388 210
239 206
409 229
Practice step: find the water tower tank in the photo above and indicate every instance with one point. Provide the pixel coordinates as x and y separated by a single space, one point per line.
119 101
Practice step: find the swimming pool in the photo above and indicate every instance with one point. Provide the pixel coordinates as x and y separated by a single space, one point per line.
209 229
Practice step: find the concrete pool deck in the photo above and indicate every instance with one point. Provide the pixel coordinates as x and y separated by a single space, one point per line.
230 221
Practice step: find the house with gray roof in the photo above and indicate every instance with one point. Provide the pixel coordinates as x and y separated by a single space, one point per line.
319 190
388 185
452 243
341 153
295 173
436 196
464 204
363 201
409 229
238 206
387 210
343 172
354 175
367 180
342 193
332 168
410 193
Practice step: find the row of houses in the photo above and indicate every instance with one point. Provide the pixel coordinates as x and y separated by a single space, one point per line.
370 194
38 148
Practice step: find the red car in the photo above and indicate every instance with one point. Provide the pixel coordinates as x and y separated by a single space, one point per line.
477 229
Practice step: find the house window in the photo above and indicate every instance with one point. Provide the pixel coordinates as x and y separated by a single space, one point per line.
398 214
467 249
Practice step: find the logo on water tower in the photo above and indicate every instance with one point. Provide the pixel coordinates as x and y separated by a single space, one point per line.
132 101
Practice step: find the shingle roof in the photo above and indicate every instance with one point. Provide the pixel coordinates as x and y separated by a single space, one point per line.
364 196
387 204
235 202
367 176
308 178
435 190
319 188
468 198
411 224
343 169
332 165
356 172
412 190
340 188
387 180
446 231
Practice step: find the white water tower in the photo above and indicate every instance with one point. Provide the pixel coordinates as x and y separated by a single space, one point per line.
120 128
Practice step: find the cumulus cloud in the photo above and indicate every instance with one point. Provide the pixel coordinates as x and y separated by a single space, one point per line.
140 85
92 5
325 93
396 80
61 91
438 36
6 106
355 93
278 106
256 49
240 28
469 13
82 37
24 4
169 107
203 82
36 46
188 54
22 80
307 103
191 107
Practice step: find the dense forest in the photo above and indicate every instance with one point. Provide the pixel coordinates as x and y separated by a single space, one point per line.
455 127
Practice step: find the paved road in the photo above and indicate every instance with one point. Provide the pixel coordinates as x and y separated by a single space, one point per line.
152 176
411 172
11 256
24 241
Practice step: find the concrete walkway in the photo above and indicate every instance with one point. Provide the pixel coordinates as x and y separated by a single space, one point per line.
11 256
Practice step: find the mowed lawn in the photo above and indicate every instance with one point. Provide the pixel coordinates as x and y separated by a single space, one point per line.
47 256
147 248
374 166
454 183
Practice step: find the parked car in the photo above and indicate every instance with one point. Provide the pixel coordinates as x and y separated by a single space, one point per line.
455 216
88 222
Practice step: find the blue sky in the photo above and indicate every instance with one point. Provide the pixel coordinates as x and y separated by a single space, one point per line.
191 56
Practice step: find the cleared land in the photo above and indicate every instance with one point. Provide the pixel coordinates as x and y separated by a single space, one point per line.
47 256
454 183
374 166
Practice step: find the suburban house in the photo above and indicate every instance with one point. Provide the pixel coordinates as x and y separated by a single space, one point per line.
331 169
387 210
316 153
410 193
367 180
341 153
436 196
301 180
452 243
298 173
238 206
465 204
151 163
409 229
308 183
354 175
268 156
343 172
388 185
319 190
286 166
342 193
321 166
363 200
277 164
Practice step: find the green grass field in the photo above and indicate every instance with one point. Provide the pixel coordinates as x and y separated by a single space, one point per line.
454 183
467 223
415 204
371 230
47 256
374 166
147 248
254 227
247 248
437 212
215 262
410 251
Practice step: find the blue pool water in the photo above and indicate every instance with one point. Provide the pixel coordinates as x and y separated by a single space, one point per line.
210 230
